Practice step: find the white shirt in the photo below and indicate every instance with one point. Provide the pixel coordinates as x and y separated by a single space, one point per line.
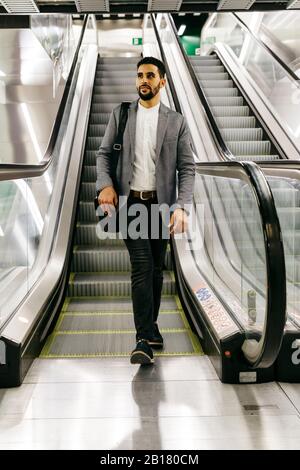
143 178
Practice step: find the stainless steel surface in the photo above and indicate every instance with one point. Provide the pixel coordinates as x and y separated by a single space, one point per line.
21 323
27 66
177 404
27 106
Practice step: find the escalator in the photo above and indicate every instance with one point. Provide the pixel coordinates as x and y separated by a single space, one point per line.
242 136
97 319
240 129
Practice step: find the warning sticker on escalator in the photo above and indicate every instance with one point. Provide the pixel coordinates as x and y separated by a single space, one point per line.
218 316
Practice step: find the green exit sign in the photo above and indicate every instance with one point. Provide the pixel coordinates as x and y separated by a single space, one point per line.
137 41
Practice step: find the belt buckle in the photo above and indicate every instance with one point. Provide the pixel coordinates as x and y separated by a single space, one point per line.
143 198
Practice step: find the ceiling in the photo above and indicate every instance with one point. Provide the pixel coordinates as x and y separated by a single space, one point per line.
8 7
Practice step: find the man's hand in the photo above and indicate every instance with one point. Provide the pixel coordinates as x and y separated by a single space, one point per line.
178 222
108 198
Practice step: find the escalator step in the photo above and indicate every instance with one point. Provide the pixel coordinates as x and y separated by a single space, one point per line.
99 118
204 57
181 342
105 258
103 107
232 111
87 213
113 304
114 81
236 122
225 100
114 74
238 134
89 171
217 84
115 89
96 130
206 76
211 68
86 235
90 321
112 284
90 160
256 158
220 92
114 99
205 62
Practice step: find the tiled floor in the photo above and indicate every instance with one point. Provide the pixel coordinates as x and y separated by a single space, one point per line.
179 403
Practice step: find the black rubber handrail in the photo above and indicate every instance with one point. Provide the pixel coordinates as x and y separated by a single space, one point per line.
218 138
169 76
275 318
287 69
17 170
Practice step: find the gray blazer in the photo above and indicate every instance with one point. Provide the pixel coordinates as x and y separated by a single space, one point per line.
173 152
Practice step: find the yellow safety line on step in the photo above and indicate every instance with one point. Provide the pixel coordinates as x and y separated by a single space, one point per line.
59 322
112 332
183 318
178 303
66 304
109 297
107 314
98 355
180 309
195 342
48 345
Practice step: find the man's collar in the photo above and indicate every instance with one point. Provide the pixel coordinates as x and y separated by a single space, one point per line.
162 109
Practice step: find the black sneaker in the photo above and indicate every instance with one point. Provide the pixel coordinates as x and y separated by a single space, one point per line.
157 341
142 354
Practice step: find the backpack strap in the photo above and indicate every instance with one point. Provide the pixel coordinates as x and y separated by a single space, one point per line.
117 147
122 124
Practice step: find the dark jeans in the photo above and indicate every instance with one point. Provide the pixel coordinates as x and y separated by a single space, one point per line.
147 261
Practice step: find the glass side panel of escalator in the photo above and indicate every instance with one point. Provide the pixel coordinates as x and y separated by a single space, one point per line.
286 193
228 247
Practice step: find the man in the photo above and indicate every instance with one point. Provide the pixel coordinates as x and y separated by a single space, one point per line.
156 143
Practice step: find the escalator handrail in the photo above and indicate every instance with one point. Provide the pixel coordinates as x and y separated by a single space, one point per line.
287 69
163 56
10 171
275 318
218 138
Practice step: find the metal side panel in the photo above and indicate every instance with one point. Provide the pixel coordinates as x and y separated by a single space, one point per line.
24 324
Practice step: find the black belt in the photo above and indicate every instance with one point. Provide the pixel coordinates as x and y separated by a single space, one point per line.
143 195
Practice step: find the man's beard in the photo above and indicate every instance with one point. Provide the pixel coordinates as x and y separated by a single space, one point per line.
148 96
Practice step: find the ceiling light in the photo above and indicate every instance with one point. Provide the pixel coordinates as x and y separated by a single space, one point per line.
181 30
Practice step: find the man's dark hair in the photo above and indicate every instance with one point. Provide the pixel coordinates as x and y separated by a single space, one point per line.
158 63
